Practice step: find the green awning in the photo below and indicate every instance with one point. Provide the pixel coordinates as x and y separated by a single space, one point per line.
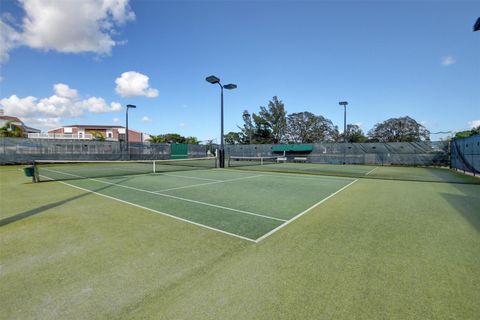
292 147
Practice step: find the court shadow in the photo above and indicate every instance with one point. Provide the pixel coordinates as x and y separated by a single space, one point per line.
451 176
467 205
29 213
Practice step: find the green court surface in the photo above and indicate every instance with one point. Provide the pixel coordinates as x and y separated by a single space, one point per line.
241 244
247 205
425 174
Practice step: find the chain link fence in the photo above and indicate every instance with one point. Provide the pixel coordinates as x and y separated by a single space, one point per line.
466 154
394 153
23 151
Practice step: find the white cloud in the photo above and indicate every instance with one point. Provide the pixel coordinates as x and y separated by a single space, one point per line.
474 123
132 83
145 119
116 120
49 112
49 123
9 39
448 60
16 106
182 124
63 90
67 26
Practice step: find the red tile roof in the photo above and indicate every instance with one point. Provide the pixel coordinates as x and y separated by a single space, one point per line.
8 118
91 126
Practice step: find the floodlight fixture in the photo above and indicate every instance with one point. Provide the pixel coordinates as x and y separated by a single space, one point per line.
476 26
212 79
343 103
230 86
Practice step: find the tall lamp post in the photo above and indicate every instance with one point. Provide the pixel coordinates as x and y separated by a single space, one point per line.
344 104
129 106
230 86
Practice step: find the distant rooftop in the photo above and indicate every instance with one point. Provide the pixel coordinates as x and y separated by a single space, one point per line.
92 126
9 118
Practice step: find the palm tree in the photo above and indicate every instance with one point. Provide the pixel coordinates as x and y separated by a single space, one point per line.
157 139
98 136
10 130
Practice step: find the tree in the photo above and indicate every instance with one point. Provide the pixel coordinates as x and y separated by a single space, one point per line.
263 132
336 135
255 129
468 133
172 138
10 130
233 138
191 140
248 130
97 135
268 126
404 129
306 127
156 139
274 117
355 134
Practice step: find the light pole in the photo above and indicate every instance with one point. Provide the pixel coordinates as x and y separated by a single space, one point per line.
129 106
230 86
344 104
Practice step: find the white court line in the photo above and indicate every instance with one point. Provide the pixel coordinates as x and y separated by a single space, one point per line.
209 183
160 212
302 213
371 171
295 175
179 176
174 197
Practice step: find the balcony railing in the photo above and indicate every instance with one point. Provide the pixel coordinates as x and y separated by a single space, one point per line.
86 136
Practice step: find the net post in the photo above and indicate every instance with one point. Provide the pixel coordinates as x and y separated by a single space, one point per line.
35 177
154 169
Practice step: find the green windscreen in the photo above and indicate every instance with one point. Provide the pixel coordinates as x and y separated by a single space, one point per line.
179 151
293 148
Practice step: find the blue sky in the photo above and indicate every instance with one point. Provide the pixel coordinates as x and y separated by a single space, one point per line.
75 62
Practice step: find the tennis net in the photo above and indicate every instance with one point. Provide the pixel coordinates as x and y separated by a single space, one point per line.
250 161
51 170
308 165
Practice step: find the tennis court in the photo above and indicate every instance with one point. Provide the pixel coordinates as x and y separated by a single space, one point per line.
252 200
186 240
249 205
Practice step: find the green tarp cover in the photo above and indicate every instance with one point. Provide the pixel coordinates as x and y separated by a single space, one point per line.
292 147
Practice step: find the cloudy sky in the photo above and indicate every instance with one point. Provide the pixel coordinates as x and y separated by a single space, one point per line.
81 62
